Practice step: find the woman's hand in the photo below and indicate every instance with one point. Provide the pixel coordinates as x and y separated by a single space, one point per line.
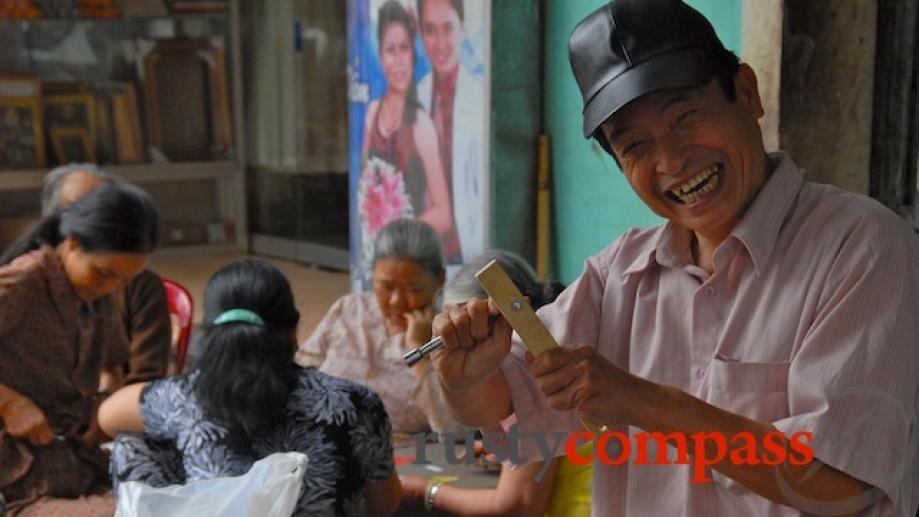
23 419
418 331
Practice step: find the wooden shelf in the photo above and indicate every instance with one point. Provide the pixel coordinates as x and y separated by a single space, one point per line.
24 179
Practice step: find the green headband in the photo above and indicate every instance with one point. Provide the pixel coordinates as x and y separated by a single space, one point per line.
240 316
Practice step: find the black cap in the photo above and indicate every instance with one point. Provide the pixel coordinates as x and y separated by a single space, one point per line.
630 48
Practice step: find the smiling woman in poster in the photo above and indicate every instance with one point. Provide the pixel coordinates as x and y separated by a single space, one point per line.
398 131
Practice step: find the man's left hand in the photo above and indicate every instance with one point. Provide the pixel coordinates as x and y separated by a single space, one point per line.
580 379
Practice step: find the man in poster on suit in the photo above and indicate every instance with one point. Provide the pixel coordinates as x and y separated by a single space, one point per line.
455 98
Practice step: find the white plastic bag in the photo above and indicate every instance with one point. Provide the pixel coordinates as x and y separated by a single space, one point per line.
269 489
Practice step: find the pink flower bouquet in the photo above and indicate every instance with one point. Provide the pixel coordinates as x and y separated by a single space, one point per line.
381 197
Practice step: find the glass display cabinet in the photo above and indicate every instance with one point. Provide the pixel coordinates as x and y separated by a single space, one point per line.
150 90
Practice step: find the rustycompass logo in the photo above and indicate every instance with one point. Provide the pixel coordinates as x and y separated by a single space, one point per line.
701 450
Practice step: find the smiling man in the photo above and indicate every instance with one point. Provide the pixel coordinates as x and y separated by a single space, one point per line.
454 98
765 306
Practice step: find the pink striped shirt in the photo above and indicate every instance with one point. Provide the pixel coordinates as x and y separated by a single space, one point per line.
809 322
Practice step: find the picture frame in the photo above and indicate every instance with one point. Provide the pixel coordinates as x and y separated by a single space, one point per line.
70 112
22 143
187 99
73 145
126 126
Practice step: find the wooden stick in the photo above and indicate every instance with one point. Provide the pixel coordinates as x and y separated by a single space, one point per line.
517 311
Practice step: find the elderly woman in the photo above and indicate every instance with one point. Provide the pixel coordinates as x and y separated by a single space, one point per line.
59 331
364 335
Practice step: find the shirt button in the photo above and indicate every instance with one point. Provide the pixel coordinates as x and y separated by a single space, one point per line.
700 373
709 291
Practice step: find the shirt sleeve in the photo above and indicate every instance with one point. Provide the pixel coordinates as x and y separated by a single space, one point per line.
312 352
149 328
371 447
428 398
853 381
162 404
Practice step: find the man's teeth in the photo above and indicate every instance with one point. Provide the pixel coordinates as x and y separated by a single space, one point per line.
685 192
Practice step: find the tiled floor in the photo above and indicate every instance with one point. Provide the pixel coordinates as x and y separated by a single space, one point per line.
314 289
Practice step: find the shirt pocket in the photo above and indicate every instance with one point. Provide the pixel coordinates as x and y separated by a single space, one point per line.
754 390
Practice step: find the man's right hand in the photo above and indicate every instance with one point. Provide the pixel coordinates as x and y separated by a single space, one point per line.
476 339
23 419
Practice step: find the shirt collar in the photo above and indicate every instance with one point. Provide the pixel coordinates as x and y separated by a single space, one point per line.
757 230
670 248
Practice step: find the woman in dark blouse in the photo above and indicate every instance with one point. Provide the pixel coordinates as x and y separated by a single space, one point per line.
249 399
59 331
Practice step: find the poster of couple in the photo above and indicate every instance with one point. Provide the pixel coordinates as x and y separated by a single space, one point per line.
418 122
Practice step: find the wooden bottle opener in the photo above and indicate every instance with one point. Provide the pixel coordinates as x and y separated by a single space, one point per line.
517 311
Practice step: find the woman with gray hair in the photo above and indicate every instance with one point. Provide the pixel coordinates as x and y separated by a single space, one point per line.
364 335
465 285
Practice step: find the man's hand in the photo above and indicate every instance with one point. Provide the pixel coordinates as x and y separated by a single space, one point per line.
23 419
476 339
580 379
418 331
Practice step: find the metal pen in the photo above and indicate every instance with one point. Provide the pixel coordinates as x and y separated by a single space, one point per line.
412 357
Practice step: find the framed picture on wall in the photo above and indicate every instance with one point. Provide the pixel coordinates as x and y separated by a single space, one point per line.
129 145
187 99
72 145
22 144
70 111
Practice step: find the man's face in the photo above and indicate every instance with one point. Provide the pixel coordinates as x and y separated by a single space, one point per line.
441 30
693 156
76 185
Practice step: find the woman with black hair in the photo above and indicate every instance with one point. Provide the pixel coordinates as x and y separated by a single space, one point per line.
249 399
59 331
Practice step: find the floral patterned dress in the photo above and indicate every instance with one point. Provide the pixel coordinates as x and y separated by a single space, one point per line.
340 425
